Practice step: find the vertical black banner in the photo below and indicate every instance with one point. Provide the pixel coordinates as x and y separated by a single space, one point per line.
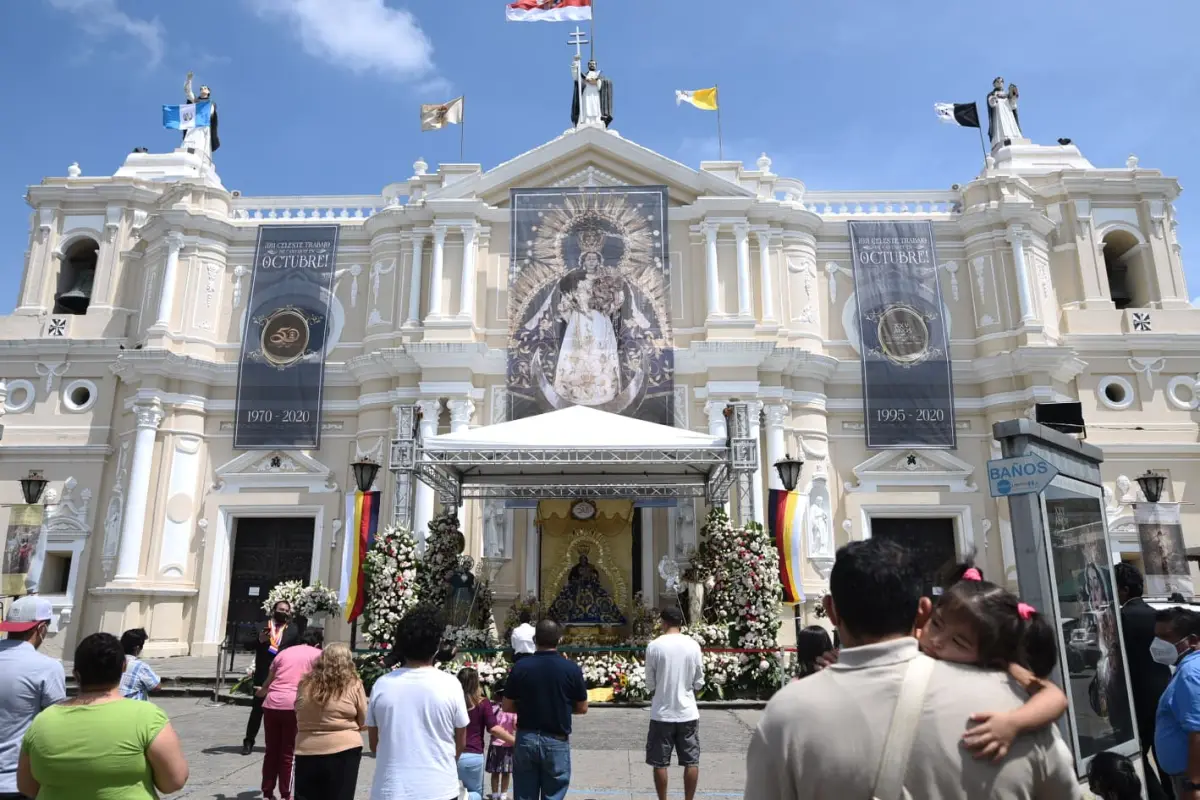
908 391
282 369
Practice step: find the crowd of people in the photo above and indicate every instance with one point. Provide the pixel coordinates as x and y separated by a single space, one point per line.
913 696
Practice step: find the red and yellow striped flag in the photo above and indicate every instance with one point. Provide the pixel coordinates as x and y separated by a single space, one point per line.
785 522
366 523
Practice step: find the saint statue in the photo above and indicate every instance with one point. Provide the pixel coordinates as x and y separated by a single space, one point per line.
201 141
1003 123
818 531
460 600
583 601
591 97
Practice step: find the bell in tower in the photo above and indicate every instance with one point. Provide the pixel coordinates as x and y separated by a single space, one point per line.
77 277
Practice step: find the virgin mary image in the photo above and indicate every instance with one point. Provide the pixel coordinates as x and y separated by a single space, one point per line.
583 600
588 372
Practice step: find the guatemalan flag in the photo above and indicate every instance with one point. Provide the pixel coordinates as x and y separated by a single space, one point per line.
785 522
188 116
362 508
549 11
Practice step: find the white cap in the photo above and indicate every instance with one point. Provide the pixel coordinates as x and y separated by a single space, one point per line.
25 613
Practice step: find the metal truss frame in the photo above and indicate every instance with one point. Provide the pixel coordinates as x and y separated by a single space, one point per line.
457 475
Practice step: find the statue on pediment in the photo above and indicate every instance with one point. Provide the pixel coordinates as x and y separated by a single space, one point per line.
591 98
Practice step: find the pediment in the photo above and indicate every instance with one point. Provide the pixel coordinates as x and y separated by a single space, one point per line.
591 157
274 469
911 469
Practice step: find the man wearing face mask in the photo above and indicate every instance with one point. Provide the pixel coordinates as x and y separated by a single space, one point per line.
1177 723
1147 678
278 633
29 681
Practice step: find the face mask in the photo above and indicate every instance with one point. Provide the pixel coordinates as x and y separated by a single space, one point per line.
282 617
1164 652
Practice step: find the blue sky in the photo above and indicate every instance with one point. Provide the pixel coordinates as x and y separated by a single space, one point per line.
321 96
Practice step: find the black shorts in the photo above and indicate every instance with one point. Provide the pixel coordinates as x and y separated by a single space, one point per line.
682 737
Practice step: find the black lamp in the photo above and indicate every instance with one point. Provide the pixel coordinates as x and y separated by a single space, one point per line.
32 486
365 471
1152 485
789 471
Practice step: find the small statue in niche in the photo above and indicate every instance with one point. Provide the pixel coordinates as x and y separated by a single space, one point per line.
460 600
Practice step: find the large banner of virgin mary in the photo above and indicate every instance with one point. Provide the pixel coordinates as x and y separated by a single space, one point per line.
589 302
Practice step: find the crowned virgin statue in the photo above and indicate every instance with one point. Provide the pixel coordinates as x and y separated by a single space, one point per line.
583 601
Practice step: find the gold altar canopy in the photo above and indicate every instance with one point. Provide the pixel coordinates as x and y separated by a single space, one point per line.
606 538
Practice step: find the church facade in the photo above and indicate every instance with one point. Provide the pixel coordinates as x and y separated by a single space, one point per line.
1059 281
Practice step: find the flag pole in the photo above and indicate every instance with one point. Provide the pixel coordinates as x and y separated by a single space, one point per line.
982 146
720 139
592 33
462 129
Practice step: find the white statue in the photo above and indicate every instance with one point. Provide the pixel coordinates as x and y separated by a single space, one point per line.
668 570
494 530
1003 123
591 103
819 543
203 141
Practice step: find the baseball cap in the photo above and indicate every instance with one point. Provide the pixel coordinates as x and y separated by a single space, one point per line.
25 613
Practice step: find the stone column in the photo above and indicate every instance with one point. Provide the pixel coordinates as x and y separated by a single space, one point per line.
461 412
756 486
777 417
710 267
166 300
129 554
423 505
435 273
741 233
1017 237
466 297
764 274
414 283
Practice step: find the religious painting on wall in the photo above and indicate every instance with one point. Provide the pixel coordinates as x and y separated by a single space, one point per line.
281 373
1164 555
22 548
589 302
908 391
587 562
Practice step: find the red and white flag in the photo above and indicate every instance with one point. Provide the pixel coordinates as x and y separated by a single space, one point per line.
549 11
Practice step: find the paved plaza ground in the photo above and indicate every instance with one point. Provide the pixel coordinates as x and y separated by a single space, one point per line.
607 752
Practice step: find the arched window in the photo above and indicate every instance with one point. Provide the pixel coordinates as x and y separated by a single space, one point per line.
73 294
1126 284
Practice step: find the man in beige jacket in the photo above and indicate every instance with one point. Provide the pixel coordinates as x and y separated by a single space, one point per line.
824 736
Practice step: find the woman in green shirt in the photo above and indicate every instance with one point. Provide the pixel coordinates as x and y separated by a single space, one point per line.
99 745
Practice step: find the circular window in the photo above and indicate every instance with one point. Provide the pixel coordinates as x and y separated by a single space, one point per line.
20 396
1115 392
79 396
1181 391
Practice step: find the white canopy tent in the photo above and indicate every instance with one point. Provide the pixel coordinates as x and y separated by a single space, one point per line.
575 452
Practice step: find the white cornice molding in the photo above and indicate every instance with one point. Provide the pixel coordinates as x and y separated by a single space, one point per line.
274 469
55 451
913 469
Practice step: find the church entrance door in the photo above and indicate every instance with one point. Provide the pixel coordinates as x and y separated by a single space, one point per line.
931 539
266 551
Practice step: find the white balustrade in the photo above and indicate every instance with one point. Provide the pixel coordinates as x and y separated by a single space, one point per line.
846 204
332 207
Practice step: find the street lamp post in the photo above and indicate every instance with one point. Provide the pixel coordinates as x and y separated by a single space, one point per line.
32 486
789 471
1152 484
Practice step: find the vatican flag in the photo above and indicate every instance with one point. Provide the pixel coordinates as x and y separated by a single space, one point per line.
705 99
439 115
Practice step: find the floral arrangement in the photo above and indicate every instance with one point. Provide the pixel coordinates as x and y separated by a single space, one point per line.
306 601
442 555
316 600
391 583
284 591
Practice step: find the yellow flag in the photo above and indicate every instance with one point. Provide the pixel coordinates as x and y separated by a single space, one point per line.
705 99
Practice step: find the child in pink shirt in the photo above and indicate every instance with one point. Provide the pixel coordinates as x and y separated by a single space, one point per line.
500 755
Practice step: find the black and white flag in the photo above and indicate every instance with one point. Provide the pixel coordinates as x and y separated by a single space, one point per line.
965 115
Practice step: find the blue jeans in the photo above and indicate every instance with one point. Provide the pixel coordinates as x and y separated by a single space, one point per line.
470 772
541 767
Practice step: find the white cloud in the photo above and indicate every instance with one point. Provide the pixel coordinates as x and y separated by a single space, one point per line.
358 35
102 18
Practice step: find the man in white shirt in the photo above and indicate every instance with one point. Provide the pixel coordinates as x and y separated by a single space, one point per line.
674 673
417 718
522 637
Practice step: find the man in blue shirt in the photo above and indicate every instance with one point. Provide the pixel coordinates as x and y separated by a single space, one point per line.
544 690
1177 723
